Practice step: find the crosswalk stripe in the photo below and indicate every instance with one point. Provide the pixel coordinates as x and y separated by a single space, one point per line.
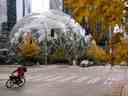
67 79
40 77
33 77
41 69
49 77
81 79
92 81
43 79
55 78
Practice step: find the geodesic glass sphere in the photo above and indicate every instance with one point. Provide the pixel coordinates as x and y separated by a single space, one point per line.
55 27
40 24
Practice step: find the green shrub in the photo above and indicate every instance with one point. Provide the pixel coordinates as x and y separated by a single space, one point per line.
58 55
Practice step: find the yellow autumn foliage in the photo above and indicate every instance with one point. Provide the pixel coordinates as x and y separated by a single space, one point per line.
92 12
120 51
97 53
28 47
111 11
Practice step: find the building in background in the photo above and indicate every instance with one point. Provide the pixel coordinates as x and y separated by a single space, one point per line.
23 8
3 12
44 5
12 11
16 10
56 4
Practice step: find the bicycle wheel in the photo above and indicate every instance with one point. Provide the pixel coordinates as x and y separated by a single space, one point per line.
9 83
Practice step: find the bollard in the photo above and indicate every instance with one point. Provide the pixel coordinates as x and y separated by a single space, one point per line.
74 62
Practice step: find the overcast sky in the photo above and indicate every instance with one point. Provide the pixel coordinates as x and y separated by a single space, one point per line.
39 6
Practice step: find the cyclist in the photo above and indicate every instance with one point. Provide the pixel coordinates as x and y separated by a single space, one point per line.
20 71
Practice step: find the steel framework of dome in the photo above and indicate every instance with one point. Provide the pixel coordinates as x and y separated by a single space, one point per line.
52 30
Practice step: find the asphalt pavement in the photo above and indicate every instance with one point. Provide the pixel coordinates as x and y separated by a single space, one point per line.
64 80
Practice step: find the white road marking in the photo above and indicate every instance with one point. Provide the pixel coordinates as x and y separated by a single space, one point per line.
92 81
67 79
41 77
55 78
45 78
41 69
81 79
33 77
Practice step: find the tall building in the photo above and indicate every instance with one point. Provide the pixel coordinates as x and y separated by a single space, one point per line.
56 4
12 11
23 8
3 12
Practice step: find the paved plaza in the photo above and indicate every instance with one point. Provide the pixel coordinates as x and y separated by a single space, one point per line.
64 80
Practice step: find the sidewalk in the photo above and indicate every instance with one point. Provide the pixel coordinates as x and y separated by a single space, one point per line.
9 66
33 66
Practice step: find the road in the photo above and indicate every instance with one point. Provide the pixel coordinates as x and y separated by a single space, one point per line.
64 80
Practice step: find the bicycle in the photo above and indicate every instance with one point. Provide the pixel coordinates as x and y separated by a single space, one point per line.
14 81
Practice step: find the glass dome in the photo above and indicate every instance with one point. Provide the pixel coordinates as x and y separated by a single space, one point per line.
41 23
55 28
